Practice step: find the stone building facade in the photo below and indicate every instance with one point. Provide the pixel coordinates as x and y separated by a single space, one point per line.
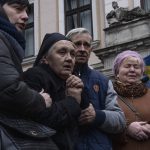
133 35
49 16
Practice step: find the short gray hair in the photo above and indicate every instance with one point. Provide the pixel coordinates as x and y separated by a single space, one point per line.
75 31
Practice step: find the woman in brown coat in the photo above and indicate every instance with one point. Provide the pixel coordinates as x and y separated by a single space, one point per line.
134 99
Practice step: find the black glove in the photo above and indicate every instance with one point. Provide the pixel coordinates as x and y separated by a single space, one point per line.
85 99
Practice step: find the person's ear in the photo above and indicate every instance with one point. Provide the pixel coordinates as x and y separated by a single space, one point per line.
117 77
44 60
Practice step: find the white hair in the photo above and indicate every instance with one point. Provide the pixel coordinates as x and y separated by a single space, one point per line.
75 31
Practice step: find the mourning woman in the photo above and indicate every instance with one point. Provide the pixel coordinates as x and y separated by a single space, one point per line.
134 100
52 73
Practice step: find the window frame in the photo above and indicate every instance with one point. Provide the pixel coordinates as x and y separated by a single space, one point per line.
78 11
142 3
28 26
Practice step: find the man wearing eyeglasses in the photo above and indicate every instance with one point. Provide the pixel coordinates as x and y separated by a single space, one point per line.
100 113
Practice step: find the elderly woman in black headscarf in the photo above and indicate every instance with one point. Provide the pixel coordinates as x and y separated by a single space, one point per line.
52 72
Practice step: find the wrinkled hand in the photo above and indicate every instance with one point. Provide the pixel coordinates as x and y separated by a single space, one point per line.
146 129
47 98
74 92
74 81
87 115
74 86
135 130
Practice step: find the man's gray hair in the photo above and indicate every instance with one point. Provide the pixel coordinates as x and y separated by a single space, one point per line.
75 31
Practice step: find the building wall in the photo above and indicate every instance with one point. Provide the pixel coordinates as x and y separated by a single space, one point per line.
49 17
134 35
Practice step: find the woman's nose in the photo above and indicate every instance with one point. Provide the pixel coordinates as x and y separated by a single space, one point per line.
132 68
68 57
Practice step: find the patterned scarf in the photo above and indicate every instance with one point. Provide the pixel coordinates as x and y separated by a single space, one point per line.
130 91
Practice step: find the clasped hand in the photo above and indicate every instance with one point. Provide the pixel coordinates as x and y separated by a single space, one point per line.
87 115
139 130
74 86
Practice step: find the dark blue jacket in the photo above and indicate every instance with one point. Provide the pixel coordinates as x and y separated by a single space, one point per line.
93 136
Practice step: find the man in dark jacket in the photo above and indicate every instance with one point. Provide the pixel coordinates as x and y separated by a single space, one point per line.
17 100
15 95
100 115
52 72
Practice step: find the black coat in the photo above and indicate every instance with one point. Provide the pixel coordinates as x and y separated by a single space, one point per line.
17 100
64 111
15 96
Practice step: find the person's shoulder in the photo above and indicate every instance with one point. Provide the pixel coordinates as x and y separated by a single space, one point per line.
148 84
33 74
2 35
33 71
98 74
99 77
147 60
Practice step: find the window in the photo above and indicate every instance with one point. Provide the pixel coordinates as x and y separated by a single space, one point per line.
29 33
145 4
78 13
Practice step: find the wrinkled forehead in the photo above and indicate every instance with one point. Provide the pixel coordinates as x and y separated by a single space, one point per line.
131 60
82 37
63 44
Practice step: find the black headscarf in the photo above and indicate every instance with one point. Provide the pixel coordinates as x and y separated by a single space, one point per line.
48 41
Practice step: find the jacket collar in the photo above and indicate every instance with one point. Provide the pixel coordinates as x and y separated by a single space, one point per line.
81 70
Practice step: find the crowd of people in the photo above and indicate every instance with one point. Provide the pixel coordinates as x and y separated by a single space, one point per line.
61 103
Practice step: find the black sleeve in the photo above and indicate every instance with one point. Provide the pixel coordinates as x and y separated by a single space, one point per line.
15 95
61 113
34 78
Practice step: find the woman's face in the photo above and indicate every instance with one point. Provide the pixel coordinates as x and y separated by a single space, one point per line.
130 70
61 58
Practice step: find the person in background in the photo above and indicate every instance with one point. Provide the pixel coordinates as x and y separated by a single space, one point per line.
52 72
147 70
100 115
18 103
133 98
